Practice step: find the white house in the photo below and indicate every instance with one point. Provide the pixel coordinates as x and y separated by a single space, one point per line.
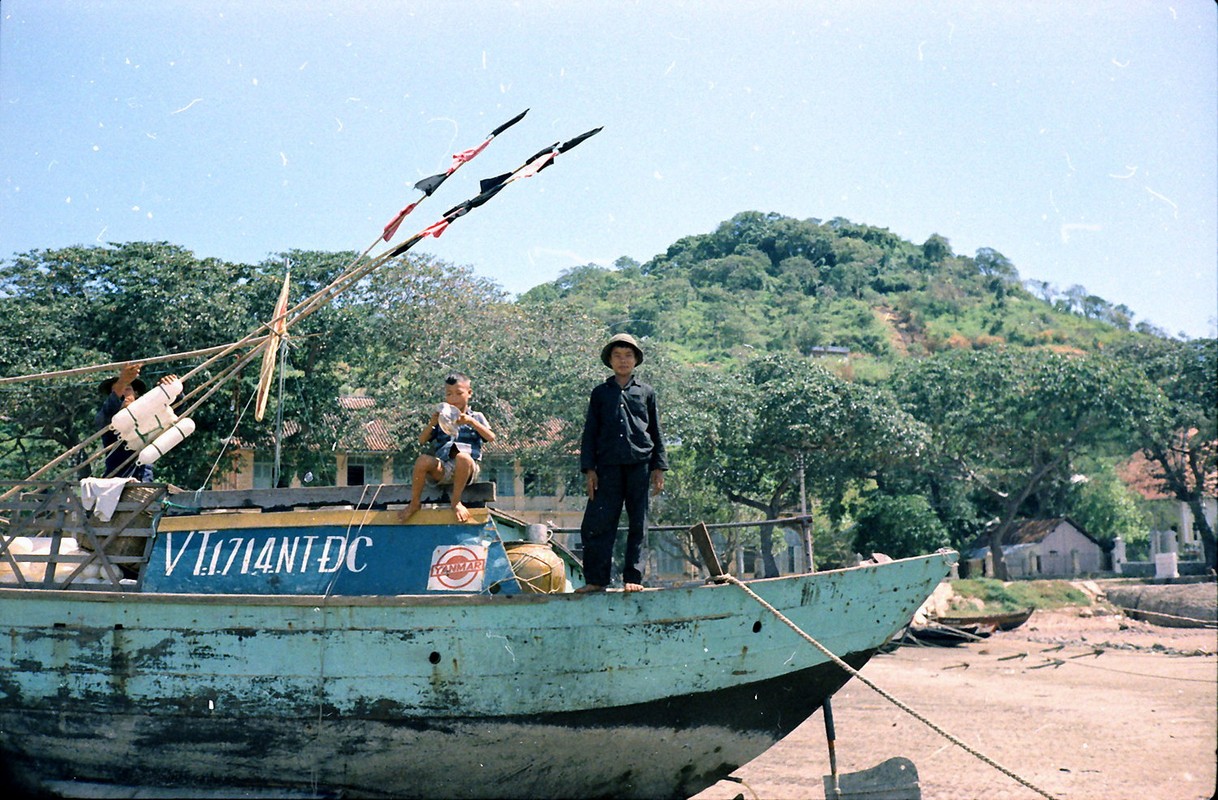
1037 548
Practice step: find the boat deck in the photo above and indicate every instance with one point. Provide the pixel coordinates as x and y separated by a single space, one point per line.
52 536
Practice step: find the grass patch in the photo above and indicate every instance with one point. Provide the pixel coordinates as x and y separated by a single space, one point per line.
1018 595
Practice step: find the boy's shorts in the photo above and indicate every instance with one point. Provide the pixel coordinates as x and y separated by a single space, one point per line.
448 465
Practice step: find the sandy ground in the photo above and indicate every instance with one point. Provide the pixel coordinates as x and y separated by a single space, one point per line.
1079 706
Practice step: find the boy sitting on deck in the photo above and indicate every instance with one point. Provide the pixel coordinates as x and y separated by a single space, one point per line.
458 447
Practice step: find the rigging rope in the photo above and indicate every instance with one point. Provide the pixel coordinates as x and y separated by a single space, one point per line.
226 441
115 365
259 339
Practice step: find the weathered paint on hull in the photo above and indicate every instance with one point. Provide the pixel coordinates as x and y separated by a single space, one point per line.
673 748
652 694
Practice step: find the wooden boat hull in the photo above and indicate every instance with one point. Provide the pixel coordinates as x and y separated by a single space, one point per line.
947 635
655 694
669 748
1003 622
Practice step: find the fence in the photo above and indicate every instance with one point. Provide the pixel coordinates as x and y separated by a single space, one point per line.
802 522
49 540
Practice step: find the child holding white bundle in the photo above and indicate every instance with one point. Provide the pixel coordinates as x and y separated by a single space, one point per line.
459 434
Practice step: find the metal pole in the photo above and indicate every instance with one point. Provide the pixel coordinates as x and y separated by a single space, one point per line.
831 736
803 516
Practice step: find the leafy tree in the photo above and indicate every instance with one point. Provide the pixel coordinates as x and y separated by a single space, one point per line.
1007 420
991 263
936 249
687 499
539 379
778 412
80 306
1076 298
1045 289
533 362
1106 507
898 526
316 361
83 306
1182 438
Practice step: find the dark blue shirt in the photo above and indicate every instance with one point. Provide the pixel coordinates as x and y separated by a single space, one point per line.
468 440
116 457
622 426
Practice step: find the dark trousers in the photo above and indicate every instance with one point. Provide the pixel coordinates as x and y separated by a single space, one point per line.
617 485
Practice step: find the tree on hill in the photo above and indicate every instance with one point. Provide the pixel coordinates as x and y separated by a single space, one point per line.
777 283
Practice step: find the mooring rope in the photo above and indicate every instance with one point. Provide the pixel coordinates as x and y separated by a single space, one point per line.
1204 623
856 674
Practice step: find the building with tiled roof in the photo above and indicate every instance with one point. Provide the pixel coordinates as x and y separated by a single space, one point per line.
1032 548
1142 476
370 449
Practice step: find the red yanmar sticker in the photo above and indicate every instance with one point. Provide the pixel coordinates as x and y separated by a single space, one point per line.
457 568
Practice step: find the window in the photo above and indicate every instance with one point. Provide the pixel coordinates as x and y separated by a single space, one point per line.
502 473
264 470
533 485
364 469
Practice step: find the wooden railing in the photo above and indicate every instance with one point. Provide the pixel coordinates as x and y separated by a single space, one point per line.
48 540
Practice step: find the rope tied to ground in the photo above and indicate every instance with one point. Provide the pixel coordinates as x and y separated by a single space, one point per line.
1197 622
890 698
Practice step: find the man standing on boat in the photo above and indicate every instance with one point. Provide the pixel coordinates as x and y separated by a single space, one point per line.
459 434
622 452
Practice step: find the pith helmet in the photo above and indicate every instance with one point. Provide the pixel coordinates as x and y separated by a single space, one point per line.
626 339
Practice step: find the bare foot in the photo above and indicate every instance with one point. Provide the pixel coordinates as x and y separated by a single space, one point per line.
589 588
633 587
461 511
409 511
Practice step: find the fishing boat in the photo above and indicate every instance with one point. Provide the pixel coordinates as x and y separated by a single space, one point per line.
310 643
315 642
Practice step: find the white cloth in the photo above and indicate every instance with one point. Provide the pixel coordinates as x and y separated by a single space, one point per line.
104 493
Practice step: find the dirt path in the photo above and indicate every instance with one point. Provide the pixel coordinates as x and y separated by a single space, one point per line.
1134 720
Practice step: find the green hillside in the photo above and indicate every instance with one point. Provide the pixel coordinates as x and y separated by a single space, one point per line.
1031 397
970 398
774 283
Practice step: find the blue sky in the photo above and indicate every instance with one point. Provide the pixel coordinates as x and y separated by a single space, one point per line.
1079 139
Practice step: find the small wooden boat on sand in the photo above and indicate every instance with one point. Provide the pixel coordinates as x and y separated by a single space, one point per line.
1004 621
